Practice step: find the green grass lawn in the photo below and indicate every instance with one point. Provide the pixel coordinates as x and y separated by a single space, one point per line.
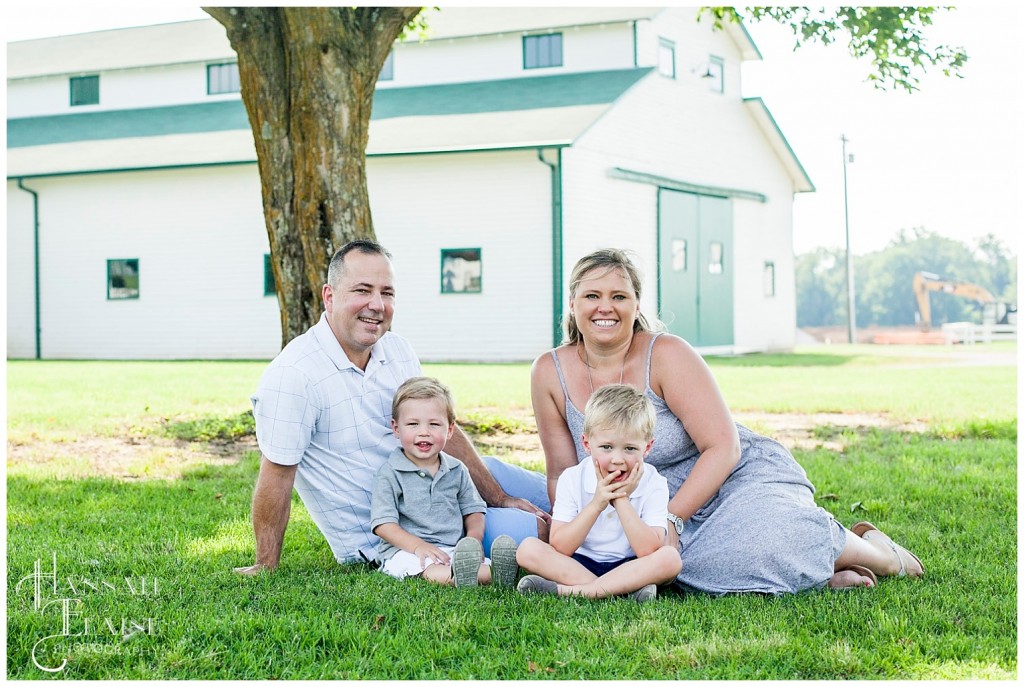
948 493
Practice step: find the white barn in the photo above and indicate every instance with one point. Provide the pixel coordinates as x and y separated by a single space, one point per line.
502 148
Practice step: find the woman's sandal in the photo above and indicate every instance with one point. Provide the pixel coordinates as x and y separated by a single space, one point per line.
861 528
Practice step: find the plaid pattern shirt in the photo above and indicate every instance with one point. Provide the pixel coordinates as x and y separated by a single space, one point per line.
317 410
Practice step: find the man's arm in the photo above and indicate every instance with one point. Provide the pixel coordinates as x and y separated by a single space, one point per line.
462 448
271 507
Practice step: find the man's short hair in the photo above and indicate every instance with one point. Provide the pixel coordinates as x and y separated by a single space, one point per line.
620 407
336 270
420 388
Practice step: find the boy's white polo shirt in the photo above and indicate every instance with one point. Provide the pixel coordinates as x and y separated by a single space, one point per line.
606 540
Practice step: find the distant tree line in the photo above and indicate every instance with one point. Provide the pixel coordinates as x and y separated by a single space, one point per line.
883 280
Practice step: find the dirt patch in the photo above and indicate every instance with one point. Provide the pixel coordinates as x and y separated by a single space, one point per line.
792 430
798 430
135 458
130 458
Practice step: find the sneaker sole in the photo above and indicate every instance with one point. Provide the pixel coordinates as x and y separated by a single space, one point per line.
646 593
466 561
504 568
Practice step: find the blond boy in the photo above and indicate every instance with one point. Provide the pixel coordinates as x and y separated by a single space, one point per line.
424 507
608 524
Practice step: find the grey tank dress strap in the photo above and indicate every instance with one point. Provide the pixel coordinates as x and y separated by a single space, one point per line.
573 416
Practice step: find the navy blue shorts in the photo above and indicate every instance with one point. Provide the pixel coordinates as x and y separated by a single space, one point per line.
599 568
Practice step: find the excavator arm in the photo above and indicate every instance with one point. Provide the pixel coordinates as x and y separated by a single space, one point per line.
925 283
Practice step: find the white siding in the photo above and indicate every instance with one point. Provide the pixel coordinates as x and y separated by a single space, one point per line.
200 261
478 58
486 58
761 322
678 129
200 238
21 322
498 202
119 90
601 212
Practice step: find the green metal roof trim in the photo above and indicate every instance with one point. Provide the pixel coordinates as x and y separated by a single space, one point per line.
225 115
506 95
764 108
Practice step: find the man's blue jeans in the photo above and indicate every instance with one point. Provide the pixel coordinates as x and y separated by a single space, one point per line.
521 483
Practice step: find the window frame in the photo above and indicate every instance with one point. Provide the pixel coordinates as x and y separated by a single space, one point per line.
716 84
77 81
716 257
454 252
110 275
231 81
538 38
671 46
768 279
269 283
387 70
680 248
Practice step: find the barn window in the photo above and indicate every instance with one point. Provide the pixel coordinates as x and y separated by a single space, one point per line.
769 279
716 74
679 256
715 257
122 279
542 51
387 72
666 58
269 285
85 90
222 78
461 270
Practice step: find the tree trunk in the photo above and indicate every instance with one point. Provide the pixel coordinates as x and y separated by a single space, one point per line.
308 75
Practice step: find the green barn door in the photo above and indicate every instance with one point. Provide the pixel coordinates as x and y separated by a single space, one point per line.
696 261
678 257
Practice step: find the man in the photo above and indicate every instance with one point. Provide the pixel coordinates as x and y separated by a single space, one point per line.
323 411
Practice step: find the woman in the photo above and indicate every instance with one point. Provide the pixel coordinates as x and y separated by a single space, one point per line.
750 523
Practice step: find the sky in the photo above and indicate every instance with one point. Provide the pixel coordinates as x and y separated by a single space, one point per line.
946 158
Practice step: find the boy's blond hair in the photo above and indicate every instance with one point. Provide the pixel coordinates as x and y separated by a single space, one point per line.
423 388
620 407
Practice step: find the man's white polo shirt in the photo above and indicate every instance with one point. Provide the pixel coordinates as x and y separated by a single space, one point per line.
317 410
606 540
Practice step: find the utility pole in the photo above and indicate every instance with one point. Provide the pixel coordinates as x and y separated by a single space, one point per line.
851 323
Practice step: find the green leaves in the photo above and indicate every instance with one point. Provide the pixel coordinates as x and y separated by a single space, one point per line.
893 38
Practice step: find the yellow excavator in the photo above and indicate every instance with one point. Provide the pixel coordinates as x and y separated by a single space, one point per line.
993 311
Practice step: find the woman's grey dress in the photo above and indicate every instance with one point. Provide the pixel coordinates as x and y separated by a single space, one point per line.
762 531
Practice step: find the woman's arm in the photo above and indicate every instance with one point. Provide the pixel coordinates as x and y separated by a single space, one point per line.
549 411
681 377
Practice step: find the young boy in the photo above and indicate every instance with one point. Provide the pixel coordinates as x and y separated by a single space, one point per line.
424 500
608 523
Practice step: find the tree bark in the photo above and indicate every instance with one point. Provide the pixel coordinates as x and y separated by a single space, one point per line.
308 76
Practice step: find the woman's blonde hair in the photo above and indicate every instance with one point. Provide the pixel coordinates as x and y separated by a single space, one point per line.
608 259
420 388
622 408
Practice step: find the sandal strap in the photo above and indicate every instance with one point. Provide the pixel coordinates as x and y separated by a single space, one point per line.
899 557
892 545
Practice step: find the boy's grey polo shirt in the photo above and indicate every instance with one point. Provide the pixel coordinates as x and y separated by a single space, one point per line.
432 508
